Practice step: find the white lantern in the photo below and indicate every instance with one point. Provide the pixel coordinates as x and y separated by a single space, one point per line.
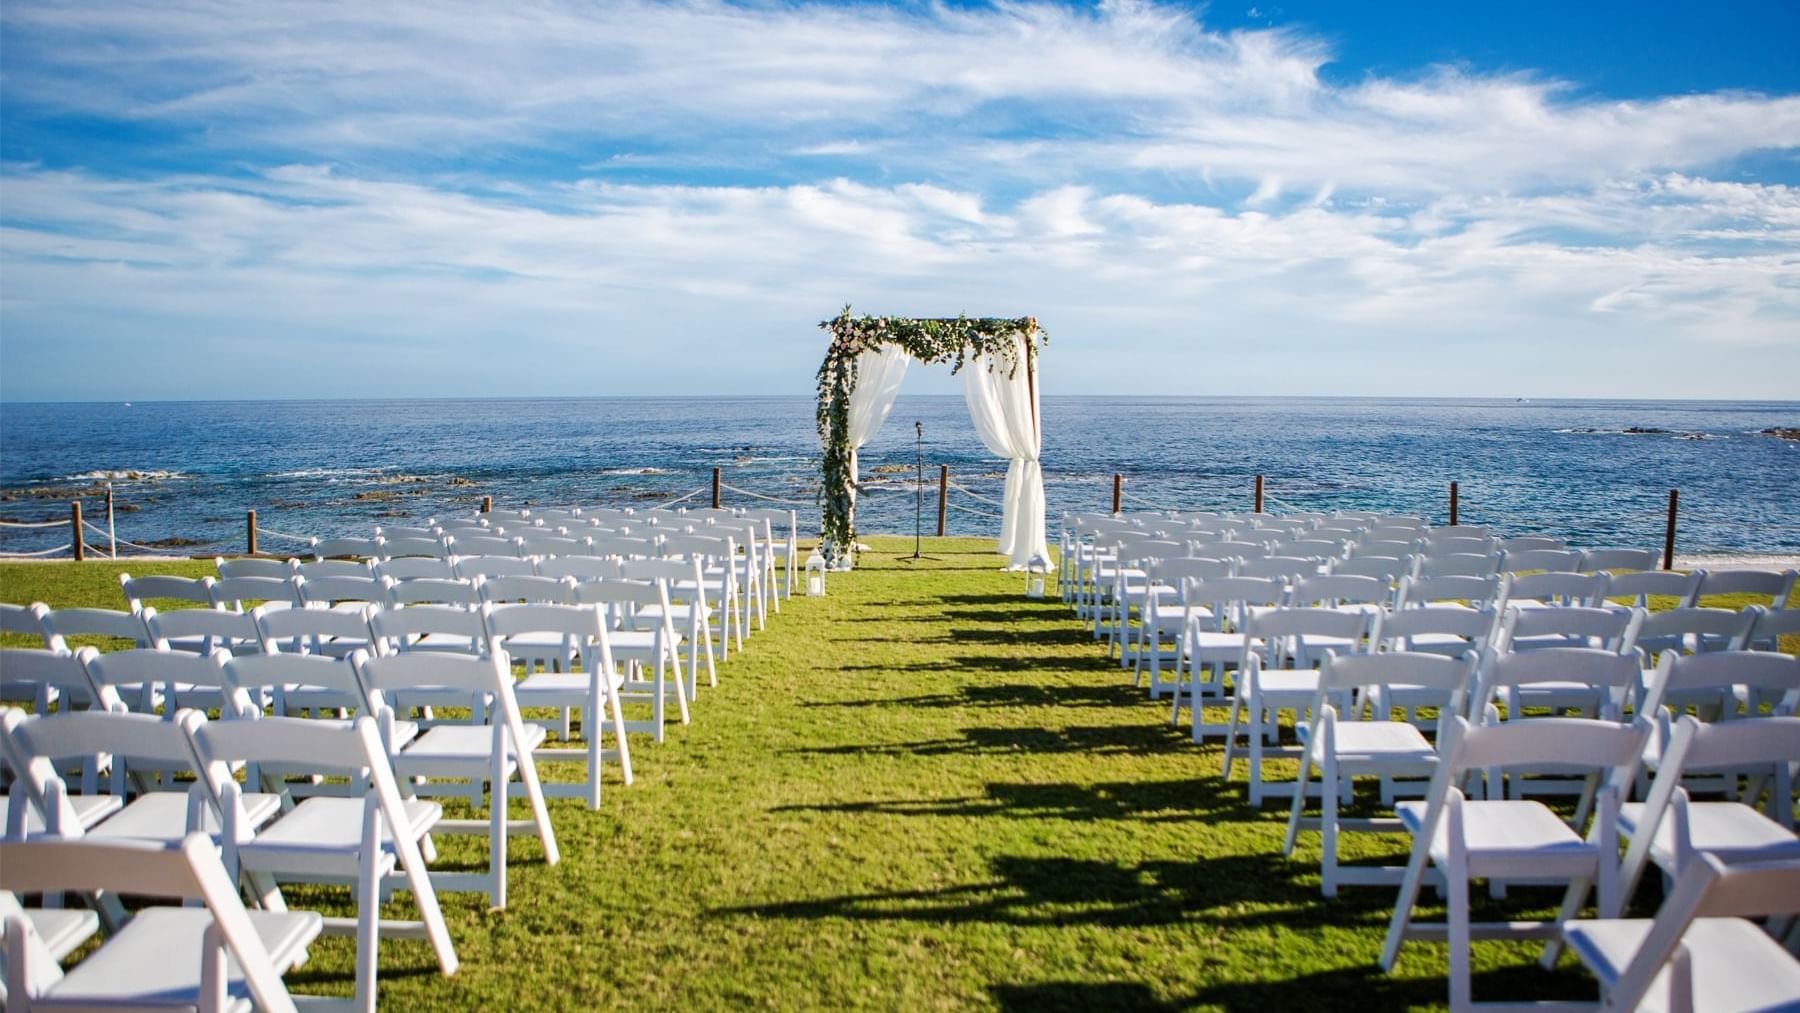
815 575
1037 575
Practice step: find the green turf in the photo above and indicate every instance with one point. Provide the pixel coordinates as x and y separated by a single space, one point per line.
921 791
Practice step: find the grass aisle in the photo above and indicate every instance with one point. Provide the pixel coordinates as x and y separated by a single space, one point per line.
922 791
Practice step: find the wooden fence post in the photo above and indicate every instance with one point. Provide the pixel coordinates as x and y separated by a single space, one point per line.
75 542
943 495
1259 494
1453 504
1669 533
1118 490
487 504
250 530
715 488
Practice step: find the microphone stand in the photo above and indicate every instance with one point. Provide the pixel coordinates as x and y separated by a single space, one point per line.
918 496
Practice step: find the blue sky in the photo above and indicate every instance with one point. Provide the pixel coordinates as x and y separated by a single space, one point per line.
210 199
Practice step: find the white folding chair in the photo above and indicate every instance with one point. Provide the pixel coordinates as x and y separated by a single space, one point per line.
279 569
1616 561
1211 639
1700 952
691 614
1345 748
1464 839
594 691
1166 615
1667 829
365 839
648 655
474 754
165 957
345 548
1275 673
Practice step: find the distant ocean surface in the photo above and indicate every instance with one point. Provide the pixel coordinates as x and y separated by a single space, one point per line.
183 473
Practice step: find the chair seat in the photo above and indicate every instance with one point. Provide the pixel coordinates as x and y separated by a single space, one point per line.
162 816
323 828
1287 682
1736 966
561 685
1381 742
1210 644
1504 830
89 810
636 645
1174 617
62 930
457 746
1730 831
650 616
155 960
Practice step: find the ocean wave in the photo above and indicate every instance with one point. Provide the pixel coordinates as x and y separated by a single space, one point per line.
327 473
637 471
1674 434
128 475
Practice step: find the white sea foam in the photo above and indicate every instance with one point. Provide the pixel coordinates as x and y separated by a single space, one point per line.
128 475
328 473
637 471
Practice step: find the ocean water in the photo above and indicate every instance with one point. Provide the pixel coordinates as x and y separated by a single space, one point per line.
184 473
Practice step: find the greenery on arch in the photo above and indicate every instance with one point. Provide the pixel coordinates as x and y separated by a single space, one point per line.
927 340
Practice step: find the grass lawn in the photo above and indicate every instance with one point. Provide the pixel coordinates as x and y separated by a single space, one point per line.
921 791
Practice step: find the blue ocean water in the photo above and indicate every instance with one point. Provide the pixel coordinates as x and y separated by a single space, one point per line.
187 471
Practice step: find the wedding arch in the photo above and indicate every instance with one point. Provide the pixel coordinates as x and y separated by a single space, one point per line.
860 378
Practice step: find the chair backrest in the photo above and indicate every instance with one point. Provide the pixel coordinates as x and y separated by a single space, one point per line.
632 593
1542 743
585 625
1768 626
695 545
1387 569
1391 549
470 567
553 545
1449 546
1456 564
1526 543
335 590
415 568
549 590
1777 584
1674 624
1304 623
1614 630
628 547
1552 560
56 669
260 671
60 624
1399 628
1773 673
1226 595
1560 587
1706 888
457 673
1321 548
139 590
284 626
215 628
670 570
35 748
487 545
334 568
1238 549
1391 533
1174 571
26 619
431 591
1430 671
1639 585
139 665
434 548
1289 568
281 569
192 870
1443 531
405 531
398 630
1340 589
1608 671
335 548
234 593
1153 548
581 568
509 517
1617 560
1477 591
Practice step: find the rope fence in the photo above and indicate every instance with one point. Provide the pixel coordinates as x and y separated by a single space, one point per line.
260 531
771 499
972 510
34 524
64 547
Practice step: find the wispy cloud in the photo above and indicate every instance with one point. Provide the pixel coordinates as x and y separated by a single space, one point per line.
595 184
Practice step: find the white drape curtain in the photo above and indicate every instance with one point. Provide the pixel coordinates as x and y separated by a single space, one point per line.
878 376
1005 412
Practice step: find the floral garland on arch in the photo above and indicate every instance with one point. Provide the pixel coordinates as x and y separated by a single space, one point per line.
929 341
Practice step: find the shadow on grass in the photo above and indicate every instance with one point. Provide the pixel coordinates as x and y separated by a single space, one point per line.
1059 892
1006 695
1146 801
1092 740
1361 987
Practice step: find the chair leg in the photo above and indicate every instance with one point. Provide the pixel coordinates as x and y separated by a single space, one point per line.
368 932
